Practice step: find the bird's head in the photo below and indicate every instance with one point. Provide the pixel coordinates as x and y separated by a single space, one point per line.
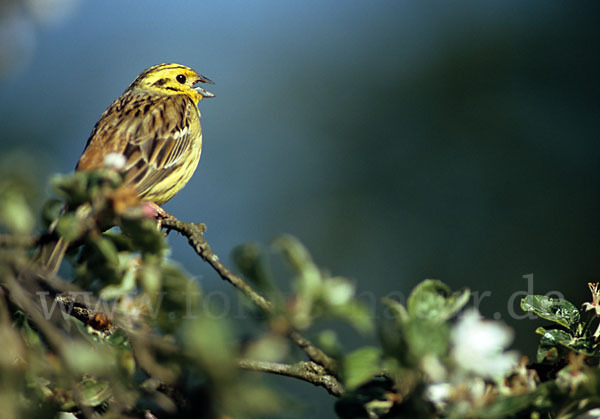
171 79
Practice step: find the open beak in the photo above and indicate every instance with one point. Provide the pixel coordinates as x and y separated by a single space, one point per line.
203 92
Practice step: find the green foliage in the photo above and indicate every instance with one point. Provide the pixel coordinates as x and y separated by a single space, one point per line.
421 329
434 364
415 343
131 332
575 336
432 300
155 349
554 309
360 366
17 195
14 210
317 293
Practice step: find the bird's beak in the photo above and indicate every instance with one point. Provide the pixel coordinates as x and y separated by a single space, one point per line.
203 92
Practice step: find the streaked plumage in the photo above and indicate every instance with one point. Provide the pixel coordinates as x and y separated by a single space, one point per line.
155 125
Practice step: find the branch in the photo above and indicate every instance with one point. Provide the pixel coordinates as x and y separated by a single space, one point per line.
306 371
195 235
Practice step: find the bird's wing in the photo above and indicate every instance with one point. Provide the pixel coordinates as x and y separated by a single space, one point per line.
152 132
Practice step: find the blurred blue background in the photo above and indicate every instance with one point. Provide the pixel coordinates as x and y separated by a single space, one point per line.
398 140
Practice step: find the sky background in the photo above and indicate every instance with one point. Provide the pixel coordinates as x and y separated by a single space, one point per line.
398 140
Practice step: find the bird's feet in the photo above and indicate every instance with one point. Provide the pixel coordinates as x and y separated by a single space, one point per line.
159 214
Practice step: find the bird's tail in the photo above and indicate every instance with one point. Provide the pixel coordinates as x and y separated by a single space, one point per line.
52 254
53 247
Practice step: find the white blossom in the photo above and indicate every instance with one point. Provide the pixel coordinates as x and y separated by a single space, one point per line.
115 161
478 346
439 394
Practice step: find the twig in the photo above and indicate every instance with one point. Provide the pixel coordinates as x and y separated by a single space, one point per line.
195 235
313 352
306 370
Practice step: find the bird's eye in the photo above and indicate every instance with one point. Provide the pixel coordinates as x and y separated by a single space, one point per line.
180 78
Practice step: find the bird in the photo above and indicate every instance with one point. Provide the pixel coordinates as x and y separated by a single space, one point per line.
154 127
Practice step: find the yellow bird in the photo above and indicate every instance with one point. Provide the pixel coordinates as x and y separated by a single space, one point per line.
155 126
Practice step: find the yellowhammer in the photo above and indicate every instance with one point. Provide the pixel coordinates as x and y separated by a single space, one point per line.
155 126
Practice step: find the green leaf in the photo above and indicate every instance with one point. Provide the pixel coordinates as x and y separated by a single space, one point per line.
108 251
87 359
94 393
179 298
294 252
51 211
563 342
118 338
329 342
31 336
552 344
433 300
426 337
72 188
506 406
144 235
397 309
70 226
150 276
209 344
410 336
556 310
337 291
15 212
361 365
91 393
122 242
83 187
356 313
126 285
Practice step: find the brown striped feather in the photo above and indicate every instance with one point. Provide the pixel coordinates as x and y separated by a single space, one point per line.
153 151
